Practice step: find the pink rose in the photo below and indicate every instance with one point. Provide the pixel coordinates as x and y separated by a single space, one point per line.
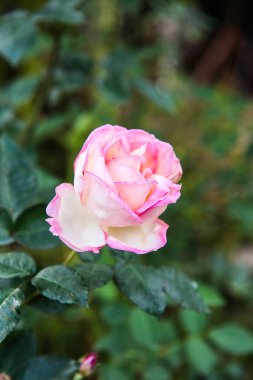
124 180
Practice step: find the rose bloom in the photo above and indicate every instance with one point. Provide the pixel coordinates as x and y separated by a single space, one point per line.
124 180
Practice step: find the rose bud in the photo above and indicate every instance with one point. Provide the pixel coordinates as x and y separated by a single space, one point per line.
124 180
88 364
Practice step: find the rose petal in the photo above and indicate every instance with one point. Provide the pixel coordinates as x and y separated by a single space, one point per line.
102 135
72 222
123 171
139 239
152 213
105 204
115 149
165 192
168 164
134 193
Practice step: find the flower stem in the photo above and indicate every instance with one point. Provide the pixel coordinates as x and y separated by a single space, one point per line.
69 258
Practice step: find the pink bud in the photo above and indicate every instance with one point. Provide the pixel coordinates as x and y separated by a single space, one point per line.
88 364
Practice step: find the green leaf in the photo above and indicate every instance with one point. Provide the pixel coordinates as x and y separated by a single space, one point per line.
192 321
18 188
16 264
113 373
5 228
155 94
233 338
94 275
156 373
141 328
148 331
202 358
62 284
142 286
49 126
17 36
20 345
10 301
182 290
49 368
32 231
20 91
211 296
60 11
122 255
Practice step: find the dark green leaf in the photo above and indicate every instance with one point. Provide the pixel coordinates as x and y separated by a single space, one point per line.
20 91
88 257
32 231
233 338
10 301
22 346
16 264
17 36
155 94
5 228
182 289
18 188
7 116
142 286
62 284
50 126
200 355
122 255
47 306
61 11
49 368
94 275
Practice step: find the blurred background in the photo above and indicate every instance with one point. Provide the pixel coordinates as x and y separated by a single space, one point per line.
183 70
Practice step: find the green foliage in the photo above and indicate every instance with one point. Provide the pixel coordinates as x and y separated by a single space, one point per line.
10 301
63 284
233 338
147 287
200 355
60 11
18 36
31 230
5 228
18 186
21 345
141 286
49 368
94 275
182 289
68 66
16 264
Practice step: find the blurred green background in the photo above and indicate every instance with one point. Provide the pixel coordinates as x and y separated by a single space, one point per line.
179 69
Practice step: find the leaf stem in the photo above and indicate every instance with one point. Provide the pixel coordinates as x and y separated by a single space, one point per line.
69 258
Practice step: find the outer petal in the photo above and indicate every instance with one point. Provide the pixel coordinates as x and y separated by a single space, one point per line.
168 164
102 135
72 222
96 142
105 204
140 239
